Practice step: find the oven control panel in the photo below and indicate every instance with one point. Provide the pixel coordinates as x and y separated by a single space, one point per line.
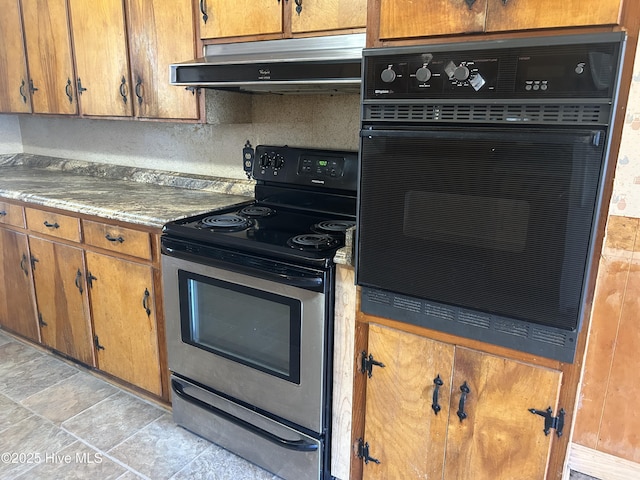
306 166
534 68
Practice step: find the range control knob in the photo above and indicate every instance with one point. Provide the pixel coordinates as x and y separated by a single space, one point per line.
278 161
388 75
265 161
461 73
423 74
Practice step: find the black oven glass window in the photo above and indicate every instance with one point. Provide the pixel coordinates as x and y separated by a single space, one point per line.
496 220
253 327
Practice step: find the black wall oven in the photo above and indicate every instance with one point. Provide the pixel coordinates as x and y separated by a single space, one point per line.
481 180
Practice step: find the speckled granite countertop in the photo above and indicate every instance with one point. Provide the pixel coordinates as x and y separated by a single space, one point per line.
140 196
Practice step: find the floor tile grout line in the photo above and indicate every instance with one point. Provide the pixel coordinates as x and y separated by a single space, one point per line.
110 457
209 447
136 432
47 388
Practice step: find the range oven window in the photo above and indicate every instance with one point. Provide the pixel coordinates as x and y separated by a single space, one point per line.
249 326
497 220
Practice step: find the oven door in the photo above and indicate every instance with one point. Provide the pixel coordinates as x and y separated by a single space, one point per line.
494 219
257 333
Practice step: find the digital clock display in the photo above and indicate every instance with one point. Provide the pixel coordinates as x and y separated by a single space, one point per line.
323 163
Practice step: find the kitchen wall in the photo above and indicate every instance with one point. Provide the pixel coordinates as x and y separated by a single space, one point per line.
606 434
214 148
10 140
625 200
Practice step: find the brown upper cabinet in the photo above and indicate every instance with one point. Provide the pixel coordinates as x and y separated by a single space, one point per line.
100 43
161 32
408 18
14 90
121 48
220 19
48 46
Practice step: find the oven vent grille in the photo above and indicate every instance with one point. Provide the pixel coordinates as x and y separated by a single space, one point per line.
578 114
512 333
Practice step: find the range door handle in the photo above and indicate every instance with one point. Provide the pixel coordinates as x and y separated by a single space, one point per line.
296 445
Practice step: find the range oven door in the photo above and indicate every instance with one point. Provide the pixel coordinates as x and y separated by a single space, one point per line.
256 334
498 220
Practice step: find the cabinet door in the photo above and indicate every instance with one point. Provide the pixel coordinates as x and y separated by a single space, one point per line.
48 46
316 15
166 28
529 14
58 274
124 320
14 89
499 436
403 431
410 18
100 44
17 312
221 18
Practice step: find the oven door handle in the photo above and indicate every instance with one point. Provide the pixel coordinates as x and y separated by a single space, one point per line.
296 445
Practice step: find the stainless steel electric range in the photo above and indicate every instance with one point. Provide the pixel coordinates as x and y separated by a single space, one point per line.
249 294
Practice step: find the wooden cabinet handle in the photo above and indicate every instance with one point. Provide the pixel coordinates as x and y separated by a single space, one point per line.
119 238
24 97
464 388
145 301
203 10
437 382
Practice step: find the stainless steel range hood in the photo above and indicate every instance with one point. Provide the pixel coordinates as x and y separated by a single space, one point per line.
329 64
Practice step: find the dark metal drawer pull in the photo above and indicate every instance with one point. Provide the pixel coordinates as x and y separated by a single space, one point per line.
464 388
67 90
435 405
145 301
51 225
3 213
79 280
114 239
203 10
23 264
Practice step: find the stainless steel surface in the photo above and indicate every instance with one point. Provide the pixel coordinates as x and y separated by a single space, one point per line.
323 51
301 404
290 464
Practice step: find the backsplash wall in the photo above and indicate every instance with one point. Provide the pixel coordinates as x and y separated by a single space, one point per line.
214 148
10 140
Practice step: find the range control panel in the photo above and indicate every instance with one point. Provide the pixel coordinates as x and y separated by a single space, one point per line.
305 166
536 68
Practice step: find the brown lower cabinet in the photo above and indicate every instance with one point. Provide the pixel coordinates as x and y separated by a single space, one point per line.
84 288
61 296
124 320
440 411
17 311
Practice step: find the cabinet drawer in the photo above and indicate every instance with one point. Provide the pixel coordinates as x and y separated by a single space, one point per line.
117 239
54 224
11 214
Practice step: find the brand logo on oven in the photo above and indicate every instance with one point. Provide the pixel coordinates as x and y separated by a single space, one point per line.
264 74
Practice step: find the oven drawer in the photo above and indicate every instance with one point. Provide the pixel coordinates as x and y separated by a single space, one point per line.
11 214
117 239
275 447
54 224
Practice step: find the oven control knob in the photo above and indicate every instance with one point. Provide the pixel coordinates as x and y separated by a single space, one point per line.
388 75
461 73
265 161
423 74
278 161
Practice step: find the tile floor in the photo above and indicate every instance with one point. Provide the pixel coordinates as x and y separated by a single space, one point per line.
58 421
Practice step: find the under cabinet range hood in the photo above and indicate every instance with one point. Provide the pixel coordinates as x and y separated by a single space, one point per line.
329 64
